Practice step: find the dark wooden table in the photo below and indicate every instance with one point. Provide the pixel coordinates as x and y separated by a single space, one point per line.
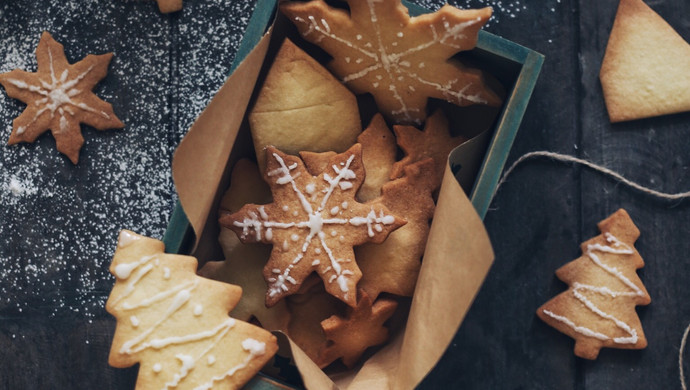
59 222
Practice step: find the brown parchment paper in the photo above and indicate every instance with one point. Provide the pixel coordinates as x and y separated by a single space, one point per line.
456 261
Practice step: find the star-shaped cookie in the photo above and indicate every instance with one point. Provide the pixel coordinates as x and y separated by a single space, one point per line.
313 224
435 142
362 328
378 48
58 98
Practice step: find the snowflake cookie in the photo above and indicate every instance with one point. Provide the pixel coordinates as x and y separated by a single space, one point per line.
175 323
313 224
58 98
378 48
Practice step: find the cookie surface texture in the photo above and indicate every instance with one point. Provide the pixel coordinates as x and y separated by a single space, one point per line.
313 224
377 48
167 6
393 266
434 141
175 324
379 150
58 98
302 107
644 72
598 309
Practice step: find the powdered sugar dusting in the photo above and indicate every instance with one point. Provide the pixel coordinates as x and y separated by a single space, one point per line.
59 221
503 9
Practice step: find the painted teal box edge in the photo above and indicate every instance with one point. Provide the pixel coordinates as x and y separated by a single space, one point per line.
178 234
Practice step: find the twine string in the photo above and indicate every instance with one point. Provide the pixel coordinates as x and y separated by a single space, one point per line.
619 178
598 168
680 357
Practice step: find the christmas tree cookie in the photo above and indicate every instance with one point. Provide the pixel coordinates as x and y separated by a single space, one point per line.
598 309
175 324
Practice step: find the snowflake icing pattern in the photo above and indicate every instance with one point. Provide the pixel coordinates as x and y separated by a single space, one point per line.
401 61
59 98
313 224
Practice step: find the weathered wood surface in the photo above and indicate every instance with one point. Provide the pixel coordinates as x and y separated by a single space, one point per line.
58 223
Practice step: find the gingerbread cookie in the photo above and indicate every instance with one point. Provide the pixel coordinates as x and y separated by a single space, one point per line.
393 266
435 142
313 223
168 6
307 310
302 107
175 324
58 98
598 309
377 48
644 72
360 329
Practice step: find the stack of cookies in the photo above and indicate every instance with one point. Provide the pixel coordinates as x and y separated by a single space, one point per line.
325 232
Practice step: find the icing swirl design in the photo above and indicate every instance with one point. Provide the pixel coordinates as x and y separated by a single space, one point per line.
395 57
593 252
312 235
161 319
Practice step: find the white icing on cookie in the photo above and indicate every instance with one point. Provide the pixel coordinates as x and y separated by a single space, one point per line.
393 63
58 96
320 215
619 248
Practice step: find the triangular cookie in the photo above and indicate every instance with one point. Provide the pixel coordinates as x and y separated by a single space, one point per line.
645 69
301 106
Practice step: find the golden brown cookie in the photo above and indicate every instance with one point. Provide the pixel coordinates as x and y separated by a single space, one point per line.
313 223
393 266
598 309
307 310
58 98
360 329
644 72
377 48
301 106
244 263
378 155
175 324
435 142
168 6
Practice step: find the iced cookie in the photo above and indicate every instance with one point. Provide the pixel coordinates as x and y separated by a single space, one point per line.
313 224
175 324
598 309
58 98
378 48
